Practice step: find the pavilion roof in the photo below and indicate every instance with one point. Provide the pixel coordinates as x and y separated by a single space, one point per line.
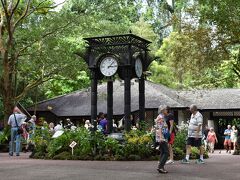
79 103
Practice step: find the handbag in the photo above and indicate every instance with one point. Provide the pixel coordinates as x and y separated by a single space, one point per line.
19 129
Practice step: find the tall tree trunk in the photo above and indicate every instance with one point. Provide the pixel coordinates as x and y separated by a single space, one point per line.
7 90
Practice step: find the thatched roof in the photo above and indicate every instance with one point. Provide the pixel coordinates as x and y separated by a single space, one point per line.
219 99
79 103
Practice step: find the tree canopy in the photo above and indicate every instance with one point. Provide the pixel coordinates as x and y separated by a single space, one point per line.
194 43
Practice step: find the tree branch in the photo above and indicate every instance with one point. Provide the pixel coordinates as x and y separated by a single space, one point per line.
23 15
52 7
42 37
14 9
37 82
4 5
36 8
31 86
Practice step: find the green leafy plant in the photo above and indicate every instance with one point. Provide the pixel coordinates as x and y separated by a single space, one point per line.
4 135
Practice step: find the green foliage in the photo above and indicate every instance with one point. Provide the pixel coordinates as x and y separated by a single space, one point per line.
63 85
180 140
5 135
162 74
94 145
195 153
178 153
201 50
138 143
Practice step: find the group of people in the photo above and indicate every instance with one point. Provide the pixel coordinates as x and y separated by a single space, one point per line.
165 135
230 139
231 135
17 123
18 120
102 124
164 129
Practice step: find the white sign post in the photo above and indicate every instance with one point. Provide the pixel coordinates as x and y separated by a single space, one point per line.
72 145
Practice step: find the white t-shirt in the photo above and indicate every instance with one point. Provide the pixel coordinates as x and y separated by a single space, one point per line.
195 121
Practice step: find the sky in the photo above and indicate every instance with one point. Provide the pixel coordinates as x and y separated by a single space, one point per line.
58 2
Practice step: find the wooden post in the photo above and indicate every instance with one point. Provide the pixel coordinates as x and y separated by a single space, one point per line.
127 90
141 99
127 100
94 98
110 105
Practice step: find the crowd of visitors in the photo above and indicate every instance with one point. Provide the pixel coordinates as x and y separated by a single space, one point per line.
165 131
196 137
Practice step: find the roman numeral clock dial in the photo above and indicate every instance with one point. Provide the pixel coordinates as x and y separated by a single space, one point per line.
109 66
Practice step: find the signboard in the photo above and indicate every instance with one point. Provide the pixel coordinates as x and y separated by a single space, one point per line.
73 144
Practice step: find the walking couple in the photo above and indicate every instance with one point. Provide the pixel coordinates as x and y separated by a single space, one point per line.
165 134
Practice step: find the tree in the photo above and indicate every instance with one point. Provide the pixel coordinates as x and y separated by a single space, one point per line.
25 27
206 39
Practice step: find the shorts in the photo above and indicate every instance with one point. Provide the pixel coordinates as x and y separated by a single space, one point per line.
196 142
234 139
227 142
171 139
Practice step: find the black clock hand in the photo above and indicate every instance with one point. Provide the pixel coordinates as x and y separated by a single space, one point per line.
112 66
137 68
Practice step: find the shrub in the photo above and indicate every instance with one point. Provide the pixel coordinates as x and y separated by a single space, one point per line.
138 143
180 140
63 156
134 157
178 153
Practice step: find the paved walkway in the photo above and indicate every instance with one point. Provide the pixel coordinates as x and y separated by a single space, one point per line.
219 166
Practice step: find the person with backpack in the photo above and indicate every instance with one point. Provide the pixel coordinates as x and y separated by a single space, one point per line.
15 121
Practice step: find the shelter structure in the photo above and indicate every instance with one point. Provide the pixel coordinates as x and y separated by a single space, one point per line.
218 106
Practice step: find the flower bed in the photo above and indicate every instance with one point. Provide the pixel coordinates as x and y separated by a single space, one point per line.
137 145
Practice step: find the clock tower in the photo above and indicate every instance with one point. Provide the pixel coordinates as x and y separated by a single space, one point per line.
125 55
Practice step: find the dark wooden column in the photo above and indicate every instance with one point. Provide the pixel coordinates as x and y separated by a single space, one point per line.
110 105
94 98
127 90
127 99
141 99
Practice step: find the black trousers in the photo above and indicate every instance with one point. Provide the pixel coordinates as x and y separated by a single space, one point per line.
164 153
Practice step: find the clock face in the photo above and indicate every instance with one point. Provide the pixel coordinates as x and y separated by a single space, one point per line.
138 67
108 66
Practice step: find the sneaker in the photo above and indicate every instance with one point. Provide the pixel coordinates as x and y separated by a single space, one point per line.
161 170
17 154
200 161
185 161
170 162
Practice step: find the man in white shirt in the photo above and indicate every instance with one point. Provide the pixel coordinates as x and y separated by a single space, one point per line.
15 120
194 135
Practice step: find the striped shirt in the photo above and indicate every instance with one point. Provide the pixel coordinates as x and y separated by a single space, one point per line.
195 121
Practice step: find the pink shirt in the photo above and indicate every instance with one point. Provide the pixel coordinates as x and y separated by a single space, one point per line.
211 137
